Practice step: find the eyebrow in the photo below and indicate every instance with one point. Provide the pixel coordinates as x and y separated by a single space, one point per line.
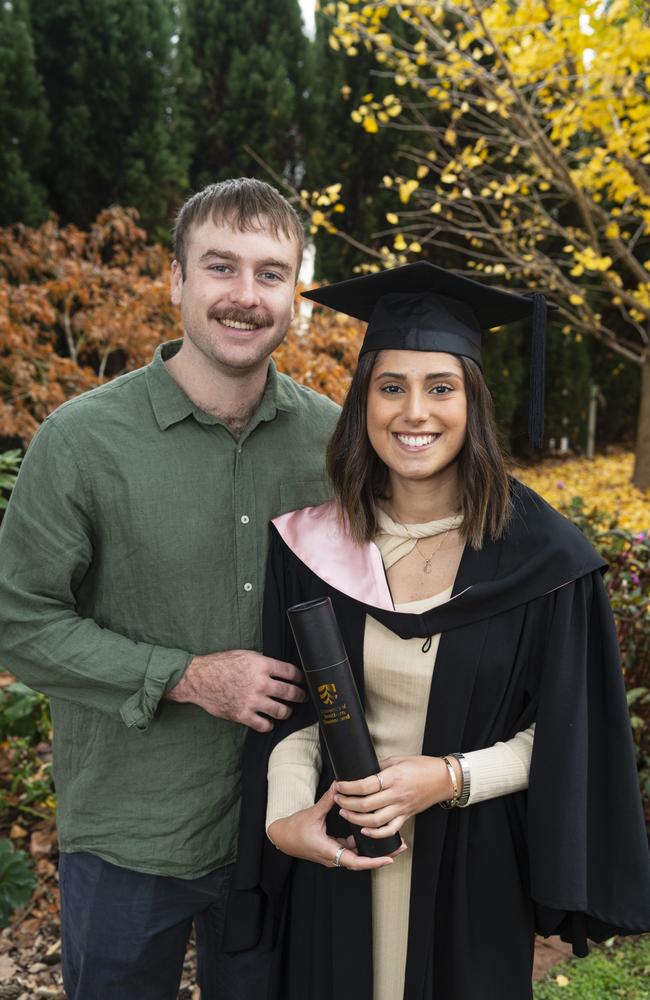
403 377
213 252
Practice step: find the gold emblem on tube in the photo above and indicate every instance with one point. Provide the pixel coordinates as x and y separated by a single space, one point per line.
327 693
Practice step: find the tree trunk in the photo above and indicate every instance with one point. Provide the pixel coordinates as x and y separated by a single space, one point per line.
641 475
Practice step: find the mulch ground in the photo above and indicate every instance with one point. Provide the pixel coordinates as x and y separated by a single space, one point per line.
30 950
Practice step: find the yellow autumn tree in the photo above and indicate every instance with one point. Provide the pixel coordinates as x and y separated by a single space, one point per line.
526 129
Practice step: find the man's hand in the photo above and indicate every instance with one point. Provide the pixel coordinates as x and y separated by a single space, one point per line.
239 684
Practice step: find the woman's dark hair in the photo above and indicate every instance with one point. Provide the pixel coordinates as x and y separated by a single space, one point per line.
359 477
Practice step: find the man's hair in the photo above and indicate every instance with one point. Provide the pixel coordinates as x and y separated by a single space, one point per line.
246 204
359 477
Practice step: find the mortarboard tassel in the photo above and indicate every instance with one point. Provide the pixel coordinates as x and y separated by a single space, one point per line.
537 365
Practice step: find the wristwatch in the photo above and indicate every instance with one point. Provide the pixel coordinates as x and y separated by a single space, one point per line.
464 766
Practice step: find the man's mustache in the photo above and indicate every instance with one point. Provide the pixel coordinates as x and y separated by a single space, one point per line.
250 316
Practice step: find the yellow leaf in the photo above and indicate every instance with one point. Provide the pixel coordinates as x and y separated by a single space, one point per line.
592 261
576 300
422 171
406 189
392 217
399 242
317 218
370 124
415 246
562 980
437 208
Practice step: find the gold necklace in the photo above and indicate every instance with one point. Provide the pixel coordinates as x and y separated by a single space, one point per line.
428 559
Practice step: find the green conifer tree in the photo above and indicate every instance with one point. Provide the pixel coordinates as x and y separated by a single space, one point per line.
23 119
342 152
108 69
252 64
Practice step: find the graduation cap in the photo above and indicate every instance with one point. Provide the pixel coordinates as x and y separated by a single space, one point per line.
422 307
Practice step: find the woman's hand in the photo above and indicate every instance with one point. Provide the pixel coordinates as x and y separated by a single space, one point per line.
410 785
303 835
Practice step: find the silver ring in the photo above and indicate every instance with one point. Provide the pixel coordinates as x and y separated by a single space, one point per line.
381 782
337 857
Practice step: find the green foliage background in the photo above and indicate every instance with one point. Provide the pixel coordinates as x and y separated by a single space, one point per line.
106 101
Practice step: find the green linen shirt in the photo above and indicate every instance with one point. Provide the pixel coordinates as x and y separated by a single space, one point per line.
135 538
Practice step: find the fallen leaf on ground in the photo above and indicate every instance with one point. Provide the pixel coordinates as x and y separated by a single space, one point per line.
41 843
7 968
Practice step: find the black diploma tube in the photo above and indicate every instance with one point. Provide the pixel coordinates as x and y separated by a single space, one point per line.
340 714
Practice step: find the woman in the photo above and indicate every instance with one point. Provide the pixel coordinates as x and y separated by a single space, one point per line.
476 623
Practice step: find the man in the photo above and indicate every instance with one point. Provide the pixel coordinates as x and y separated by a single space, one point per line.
132 555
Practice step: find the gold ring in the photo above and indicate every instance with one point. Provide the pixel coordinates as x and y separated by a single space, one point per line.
337 857
381 782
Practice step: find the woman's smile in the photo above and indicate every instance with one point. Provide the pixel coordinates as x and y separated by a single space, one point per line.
416 442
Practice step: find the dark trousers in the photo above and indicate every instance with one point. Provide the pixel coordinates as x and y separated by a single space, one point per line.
124 933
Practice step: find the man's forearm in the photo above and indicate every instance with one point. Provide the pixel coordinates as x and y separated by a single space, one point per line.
69 657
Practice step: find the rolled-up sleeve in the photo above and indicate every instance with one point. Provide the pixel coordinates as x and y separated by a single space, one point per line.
46 552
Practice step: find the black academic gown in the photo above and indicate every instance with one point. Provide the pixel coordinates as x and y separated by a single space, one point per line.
528 636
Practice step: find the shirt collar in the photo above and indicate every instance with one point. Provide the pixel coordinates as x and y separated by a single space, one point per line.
171 405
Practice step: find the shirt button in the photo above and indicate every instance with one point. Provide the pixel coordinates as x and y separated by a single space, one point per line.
248 587
244 519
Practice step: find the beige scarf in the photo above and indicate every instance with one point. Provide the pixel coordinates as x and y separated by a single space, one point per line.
396 540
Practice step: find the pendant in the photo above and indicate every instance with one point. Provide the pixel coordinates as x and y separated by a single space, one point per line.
427 566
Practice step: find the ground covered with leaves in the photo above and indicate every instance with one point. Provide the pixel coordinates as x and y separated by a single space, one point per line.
604 484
